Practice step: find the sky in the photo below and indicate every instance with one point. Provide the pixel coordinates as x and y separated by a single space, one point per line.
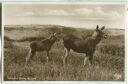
70 0
74 15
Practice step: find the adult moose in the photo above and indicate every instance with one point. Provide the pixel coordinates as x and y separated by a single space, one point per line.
86 46
44 45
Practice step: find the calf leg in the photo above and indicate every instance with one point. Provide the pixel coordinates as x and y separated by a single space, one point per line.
65 56
91 59
47 55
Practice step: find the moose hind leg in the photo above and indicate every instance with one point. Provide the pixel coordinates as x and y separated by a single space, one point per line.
30 55
65 56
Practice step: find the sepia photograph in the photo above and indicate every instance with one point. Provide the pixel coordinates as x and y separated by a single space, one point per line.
0 41
64 42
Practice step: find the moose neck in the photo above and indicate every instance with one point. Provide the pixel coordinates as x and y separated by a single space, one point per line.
96 39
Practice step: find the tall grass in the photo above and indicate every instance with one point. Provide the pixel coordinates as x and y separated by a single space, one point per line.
108 63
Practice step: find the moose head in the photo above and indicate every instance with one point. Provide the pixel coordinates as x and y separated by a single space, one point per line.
99 32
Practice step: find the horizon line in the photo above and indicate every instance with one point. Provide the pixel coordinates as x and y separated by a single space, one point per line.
57 25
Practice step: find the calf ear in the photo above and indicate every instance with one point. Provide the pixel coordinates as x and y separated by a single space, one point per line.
97 27
103 28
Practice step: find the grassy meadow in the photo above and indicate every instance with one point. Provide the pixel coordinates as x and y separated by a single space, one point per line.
108 63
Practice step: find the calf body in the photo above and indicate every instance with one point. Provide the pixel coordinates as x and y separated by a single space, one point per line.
41 45
44 45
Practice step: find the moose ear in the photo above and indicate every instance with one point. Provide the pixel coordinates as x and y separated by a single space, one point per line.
103 28
54 34
97 27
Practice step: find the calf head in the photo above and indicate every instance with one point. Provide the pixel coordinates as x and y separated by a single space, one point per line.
53 37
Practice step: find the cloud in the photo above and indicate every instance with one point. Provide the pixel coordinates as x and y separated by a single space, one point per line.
99 11
83 11
87 13
115 14
57 12
30 13
48 12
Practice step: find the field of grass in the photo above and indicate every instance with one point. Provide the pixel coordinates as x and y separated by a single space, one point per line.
108 63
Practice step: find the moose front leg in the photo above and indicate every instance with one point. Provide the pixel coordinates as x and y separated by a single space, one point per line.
91 59
88 57
85 60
